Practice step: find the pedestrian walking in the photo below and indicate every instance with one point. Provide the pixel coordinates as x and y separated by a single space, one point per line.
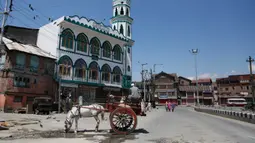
173 106
166 106
169 106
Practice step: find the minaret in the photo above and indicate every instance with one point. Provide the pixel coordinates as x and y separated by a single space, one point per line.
121 19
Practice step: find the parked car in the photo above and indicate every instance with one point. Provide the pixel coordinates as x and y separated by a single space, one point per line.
42 105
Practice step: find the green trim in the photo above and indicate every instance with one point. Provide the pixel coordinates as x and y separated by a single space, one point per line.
117 21
121 5
83 83
94 29
65 56
120 62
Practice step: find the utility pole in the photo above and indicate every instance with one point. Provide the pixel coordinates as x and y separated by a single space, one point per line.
250 61
5 16
143 80
195 52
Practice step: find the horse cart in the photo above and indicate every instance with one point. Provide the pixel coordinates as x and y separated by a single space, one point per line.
123 114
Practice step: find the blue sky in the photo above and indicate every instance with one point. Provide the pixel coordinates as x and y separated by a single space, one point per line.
165 31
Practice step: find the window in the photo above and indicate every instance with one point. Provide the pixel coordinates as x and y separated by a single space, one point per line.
106 73
127 12
116 74
34 64
20 81
17 99
95 46
80 68
121 29
67 39
129 31
128 50
20 60
128 68
106 50
93 71
114 27
48 67
121 11
65 66
117 53
82 43
116 12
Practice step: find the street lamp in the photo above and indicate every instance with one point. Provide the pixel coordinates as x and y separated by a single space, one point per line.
250 61
195 52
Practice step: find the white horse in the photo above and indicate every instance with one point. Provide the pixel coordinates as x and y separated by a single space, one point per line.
84 112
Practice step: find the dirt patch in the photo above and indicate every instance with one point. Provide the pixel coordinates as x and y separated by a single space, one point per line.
103 136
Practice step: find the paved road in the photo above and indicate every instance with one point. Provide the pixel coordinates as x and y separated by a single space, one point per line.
183 126
187 125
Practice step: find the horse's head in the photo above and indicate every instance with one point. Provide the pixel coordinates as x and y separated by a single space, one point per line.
69 118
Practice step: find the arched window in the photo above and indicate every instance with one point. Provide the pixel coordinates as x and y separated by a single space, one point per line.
128 50
114 27
93 72
20 60
95 46
80 70
65 67
116 75
121 29
82 43
121 11
127 12
117 52
106 73
116 12
107 49
129 31
34 64
128 69
67 39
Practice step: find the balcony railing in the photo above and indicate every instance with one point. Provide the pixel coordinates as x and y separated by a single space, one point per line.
117 83
107 82
93 80
19 67
33 69
66 77
80 79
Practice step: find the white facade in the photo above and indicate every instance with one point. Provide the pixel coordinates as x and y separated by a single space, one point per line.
53 38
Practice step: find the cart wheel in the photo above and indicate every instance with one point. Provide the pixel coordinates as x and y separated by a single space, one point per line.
123 120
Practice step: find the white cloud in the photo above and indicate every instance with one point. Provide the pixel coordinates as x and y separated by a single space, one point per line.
233 71
213 76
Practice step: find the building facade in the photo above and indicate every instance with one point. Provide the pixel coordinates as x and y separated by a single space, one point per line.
92 59
166 87
26 70
180 90
233 86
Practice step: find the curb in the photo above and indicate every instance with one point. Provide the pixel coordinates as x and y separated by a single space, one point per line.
241 116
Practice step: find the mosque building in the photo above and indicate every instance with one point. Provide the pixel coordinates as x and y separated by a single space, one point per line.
92 59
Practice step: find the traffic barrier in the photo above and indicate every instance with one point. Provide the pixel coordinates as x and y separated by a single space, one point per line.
237 115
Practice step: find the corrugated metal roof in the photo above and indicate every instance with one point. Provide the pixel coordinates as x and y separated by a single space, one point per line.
11 45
